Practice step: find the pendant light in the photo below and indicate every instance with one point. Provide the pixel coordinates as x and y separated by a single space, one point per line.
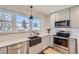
31 17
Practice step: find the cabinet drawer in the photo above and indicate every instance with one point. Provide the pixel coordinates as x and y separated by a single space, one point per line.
35 49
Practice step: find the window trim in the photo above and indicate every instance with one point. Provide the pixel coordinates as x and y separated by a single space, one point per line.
21 22
7 21
40 25
13 14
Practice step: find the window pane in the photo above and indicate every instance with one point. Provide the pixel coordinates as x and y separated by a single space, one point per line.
5 22
0 27
5 16
19 27
22 23
6 27
36 24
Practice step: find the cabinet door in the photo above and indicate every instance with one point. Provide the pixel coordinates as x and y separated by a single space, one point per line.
74 16
35 49
51 40
13 49
45 42
3 50
17 48
52 20
62 15
72 46
77 45
23 48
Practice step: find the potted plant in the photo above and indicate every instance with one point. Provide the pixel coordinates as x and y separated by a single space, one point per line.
48 30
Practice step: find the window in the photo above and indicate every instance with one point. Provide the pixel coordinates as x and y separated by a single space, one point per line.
5 22
22 23
36 24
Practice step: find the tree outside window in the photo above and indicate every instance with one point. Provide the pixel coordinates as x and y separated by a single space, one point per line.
24 24
36 24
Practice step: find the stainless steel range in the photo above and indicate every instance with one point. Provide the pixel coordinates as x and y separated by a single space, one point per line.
63 43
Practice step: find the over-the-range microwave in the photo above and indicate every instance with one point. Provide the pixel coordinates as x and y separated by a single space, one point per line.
64 23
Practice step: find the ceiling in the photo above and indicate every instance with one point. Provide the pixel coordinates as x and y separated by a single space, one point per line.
43 9
47 9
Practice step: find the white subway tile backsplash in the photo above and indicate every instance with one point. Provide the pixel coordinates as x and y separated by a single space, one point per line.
74 31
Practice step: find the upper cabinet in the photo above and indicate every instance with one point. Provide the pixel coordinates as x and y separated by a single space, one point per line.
59 16
71 14
52 20
62 15
74 17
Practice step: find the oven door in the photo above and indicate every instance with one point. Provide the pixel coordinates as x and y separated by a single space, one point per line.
61 42
61 45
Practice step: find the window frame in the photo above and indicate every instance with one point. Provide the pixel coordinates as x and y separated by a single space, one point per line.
40 24
13 14
9 21
21 22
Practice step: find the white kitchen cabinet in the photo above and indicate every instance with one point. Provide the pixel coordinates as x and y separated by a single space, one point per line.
45 42
52 20
35 49
41 46
51 40
20 48
72 46
62 15
77 43
74 17
3 50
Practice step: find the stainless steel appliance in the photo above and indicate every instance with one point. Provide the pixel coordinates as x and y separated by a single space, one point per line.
63 43
60 42
65 23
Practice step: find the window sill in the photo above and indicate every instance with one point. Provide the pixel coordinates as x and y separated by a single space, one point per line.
6 33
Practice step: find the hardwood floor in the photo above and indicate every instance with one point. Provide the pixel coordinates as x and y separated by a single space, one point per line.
50 50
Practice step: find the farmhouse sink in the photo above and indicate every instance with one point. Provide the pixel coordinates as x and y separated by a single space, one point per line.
34 37
34 40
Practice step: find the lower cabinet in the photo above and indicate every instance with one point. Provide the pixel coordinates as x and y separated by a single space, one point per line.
23 47
41 46
51 40
45 42
20 48
35 49
72 46
3 50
